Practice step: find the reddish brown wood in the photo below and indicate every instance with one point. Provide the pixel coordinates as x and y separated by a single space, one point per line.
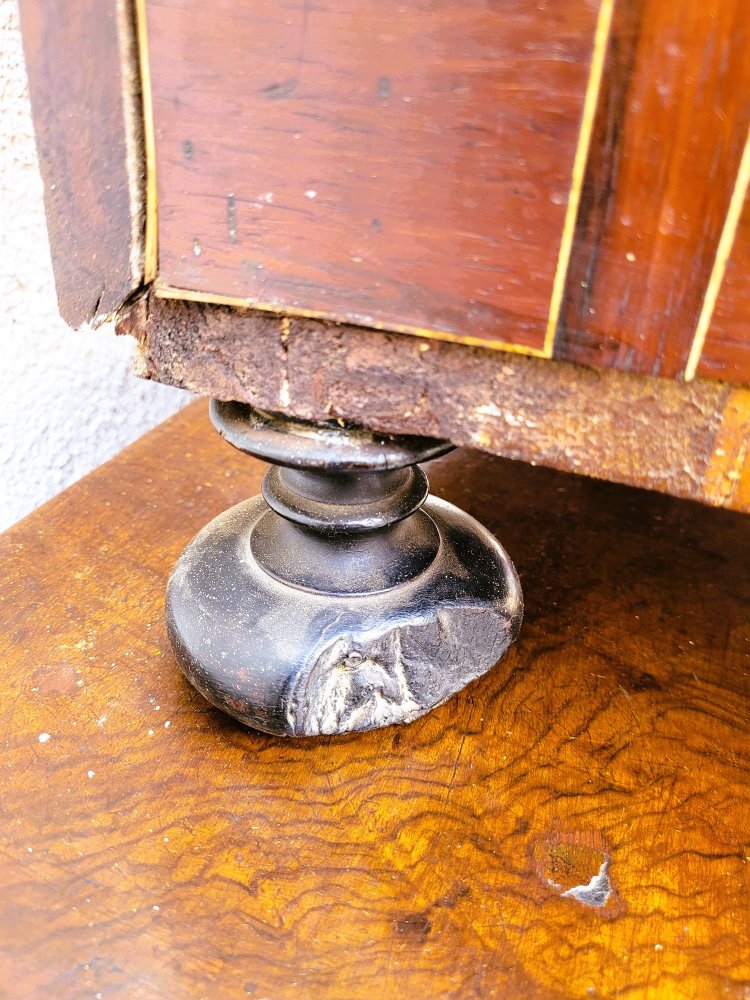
726 352
669 134
387 163
151 848
81 88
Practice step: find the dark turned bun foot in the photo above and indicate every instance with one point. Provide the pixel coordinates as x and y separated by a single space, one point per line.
345 598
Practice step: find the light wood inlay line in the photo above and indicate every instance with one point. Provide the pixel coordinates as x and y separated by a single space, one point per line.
601 40
723 252
151 247
164 291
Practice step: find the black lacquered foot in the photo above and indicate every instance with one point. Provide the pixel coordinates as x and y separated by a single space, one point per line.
344 598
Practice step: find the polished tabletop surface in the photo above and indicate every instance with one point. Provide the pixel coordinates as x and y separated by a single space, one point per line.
574 824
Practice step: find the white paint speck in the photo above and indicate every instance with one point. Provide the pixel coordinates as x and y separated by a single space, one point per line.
30 850
311 194
166 840
630 256
91 773
155 907
197 250
167 724
658 947
44 737
101 721
487 410
150 732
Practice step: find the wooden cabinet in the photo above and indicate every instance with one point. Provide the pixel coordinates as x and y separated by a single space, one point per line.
250 186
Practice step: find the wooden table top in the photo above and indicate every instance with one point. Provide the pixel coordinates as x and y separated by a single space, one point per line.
574 824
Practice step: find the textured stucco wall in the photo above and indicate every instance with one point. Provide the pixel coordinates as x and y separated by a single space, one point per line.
68 400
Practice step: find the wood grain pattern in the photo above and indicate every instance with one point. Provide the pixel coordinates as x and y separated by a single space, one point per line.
83 81
652 433
726 351
670 131
727 477
399 165
152 848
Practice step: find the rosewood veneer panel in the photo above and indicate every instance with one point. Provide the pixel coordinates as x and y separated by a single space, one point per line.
668 138
726 352
395 164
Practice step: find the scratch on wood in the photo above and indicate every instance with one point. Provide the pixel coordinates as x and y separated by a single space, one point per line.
232 218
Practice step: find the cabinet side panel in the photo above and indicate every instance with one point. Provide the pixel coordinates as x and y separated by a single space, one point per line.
83 83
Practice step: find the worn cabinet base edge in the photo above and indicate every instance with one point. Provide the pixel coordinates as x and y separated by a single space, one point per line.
686 439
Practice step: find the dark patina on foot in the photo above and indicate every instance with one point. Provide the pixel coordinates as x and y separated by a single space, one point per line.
345 597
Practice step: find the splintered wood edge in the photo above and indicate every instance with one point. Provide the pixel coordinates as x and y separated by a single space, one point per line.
684 439
92 202
165 291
